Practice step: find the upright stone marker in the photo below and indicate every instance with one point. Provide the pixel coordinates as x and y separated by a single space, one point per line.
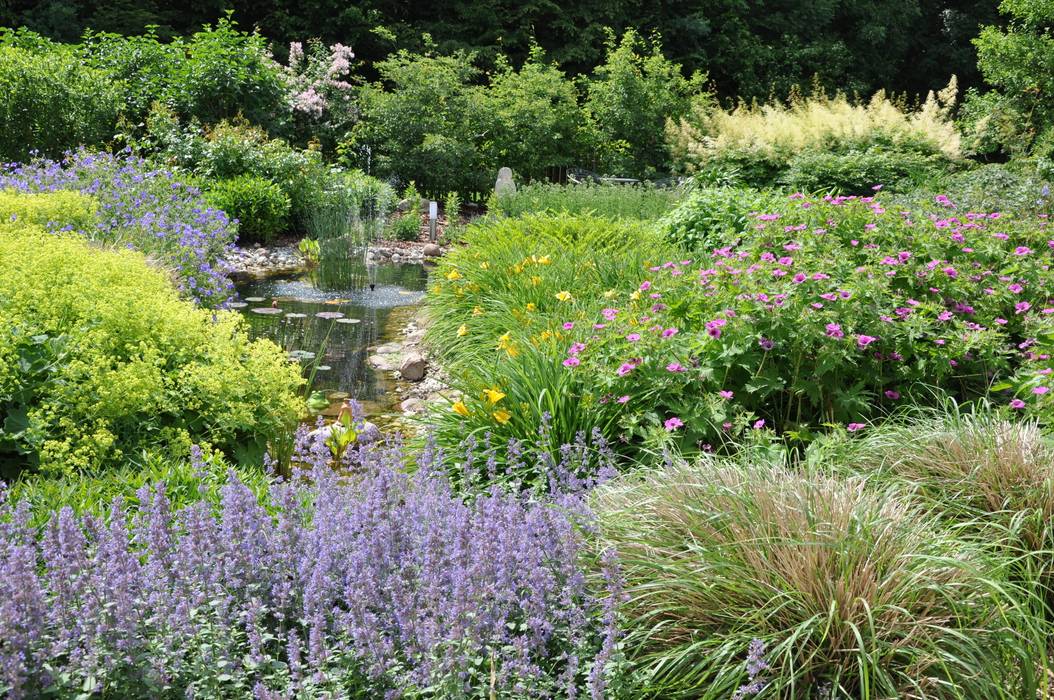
433 216
505 184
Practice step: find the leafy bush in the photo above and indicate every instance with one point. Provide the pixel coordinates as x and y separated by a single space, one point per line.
143 207
259 206
643 202
830 312
710 215
500 308
52 103
288 597
857 172
838 590
1020 187
405 227
107 361
758 143
630 97
52 210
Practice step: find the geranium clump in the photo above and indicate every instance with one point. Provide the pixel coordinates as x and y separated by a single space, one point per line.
145 208
827 311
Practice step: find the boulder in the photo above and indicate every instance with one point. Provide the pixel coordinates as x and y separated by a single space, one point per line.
413 367
432 250
412 405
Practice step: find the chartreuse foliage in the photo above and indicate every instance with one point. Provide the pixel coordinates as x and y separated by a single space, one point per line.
63 209
102 360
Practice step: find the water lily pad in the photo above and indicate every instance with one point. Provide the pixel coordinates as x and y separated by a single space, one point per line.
337 301
301 355
295 315
329 314
349 320
266 310
323 368
255 300
236 304
338 395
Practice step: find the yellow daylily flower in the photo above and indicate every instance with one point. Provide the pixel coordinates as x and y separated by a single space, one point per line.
531 306
544 260
503 340
502 416
609 294
462 330
453 275
460 408
484 265
635 295
564 295
517 269
511 350
494 395
477 311
536 280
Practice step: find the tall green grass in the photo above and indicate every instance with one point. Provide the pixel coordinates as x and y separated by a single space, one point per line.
857 591
641 201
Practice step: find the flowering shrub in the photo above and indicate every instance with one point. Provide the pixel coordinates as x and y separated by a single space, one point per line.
142 207
380 585
830 311
321 94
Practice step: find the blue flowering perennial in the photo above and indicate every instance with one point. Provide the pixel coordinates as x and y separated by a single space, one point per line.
142 207
380 584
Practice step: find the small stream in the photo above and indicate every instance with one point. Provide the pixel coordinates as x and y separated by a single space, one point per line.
341 325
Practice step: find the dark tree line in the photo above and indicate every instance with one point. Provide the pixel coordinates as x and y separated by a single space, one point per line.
749 48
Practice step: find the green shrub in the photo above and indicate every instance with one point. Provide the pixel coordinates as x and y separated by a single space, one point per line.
405 227
710 215
51 210
857 172
850 591
52 103
103 360
259 205
1019 187
642 202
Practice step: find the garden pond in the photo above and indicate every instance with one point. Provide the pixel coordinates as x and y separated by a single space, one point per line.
330 331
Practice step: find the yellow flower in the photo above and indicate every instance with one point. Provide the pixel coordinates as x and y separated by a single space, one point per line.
536 280
462 330
503 341
460 408
437 288
484 265
453 275
517 269
563 296
531 306
502 416
544 260
511 350
546 335
477 311
609 294
635 295
494 395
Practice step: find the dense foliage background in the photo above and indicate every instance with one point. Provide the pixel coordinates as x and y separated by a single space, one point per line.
749 49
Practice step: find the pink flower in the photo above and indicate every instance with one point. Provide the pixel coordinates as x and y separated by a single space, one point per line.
609 314
1022 250
759 424
623 399
1017 404
675 367
863 341
892 395
569 326
645 286
672 424
1001 321
1040 390
572 362
1015 288
669 332
951 272
835 331
853 427
633 337
626 368
725 394
1021 307
765 344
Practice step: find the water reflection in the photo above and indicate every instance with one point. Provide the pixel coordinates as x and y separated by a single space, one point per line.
341 324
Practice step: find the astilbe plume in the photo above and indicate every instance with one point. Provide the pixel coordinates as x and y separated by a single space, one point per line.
372 583
143 207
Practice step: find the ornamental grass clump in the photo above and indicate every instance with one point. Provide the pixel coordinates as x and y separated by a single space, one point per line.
852 591
378 584
141 207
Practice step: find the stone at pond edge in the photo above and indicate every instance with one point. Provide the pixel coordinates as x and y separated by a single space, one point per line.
432 250
413 367
412 405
